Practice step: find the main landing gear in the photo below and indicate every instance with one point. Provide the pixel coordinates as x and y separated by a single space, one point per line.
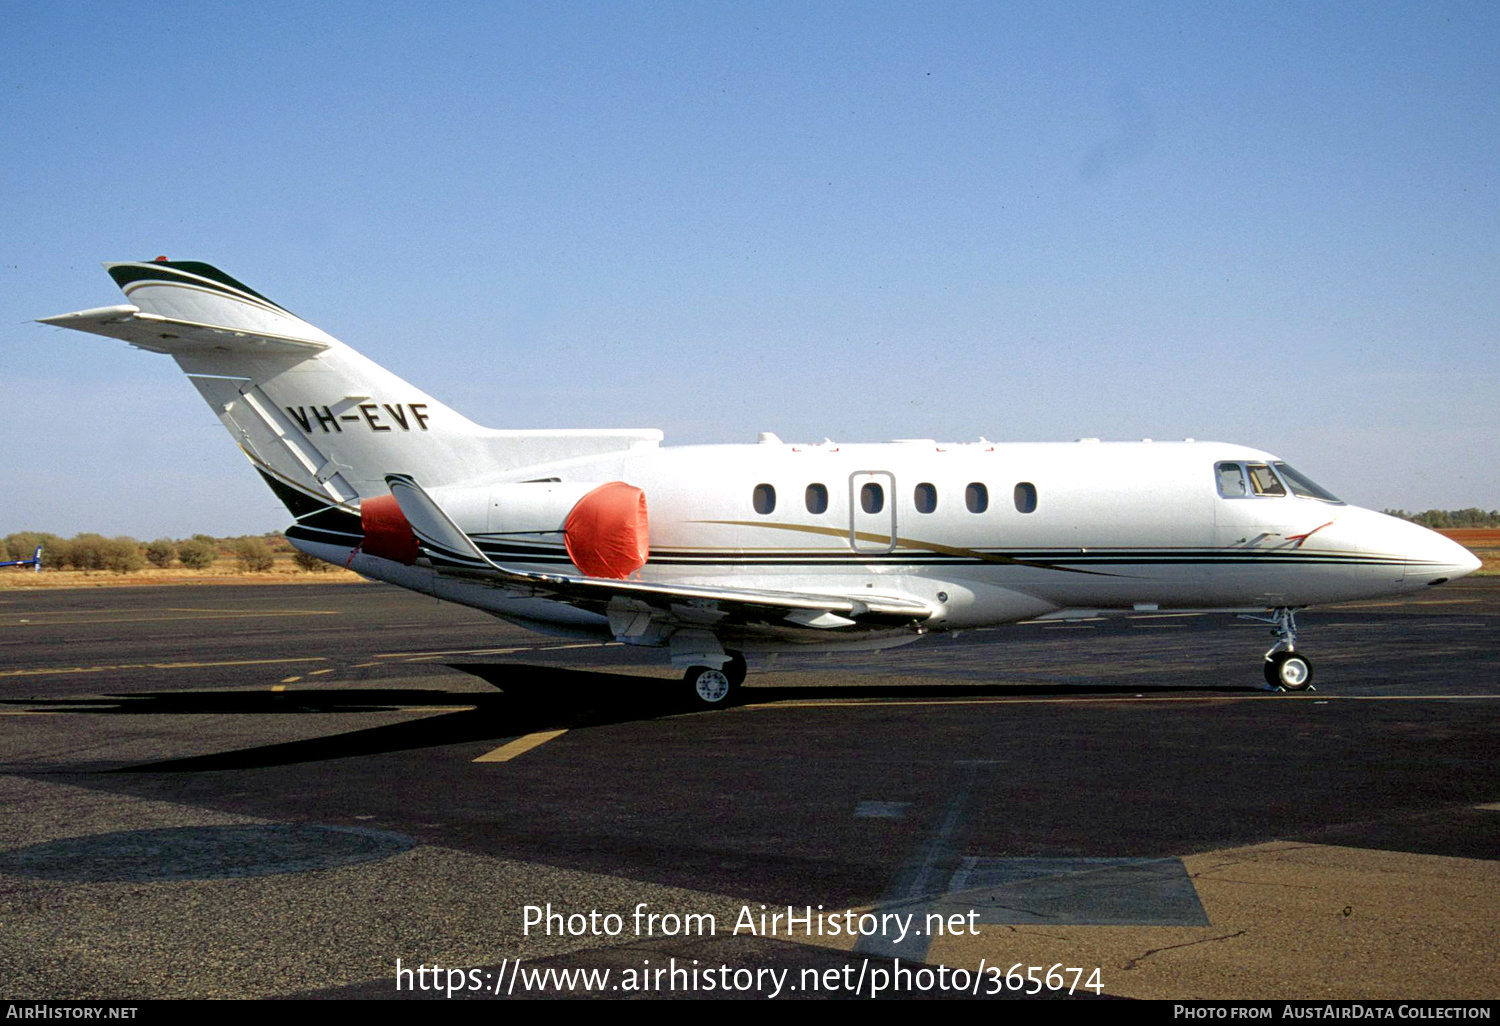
1285 668
711 687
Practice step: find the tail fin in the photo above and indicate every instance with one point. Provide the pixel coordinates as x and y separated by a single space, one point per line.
322 424
35 562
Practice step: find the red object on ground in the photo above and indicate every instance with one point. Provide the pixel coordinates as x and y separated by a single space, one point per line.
387 532
606 533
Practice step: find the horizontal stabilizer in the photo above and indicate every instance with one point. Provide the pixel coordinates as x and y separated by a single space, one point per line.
168 335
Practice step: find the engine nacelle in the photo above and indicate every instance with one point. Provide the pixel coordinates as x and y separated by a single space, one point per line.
387 532
606 533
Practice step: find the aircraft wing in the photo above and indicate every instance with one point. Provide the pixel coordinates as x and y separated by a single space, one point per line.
160 334
449 549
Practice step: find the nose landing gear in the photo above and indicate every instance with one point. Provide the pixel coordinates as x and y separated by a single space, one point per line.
1285 668
1289 671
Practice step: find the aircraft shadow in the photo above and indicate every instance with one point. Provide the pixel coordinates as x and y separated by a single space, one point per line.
530 698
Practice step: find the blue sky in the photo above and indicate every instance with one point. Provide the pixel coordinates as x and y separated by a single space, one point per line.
1277 225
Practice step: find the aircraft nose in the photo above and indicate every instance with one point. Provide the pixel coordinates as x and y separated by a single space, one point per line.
1437 560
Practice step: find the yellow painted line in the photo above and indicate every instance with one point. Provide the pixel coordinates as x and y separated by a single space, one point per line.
520 746
1489 806
317 673
413 656
24 712
449 652
1398 602
1260 696
155 666
280 687
290 680
838 702
210 615
1320 697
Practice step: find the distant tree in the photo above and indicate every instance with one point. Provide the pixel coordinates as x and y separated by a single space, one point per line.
198 553
84 552
253 555
122 555
310 563
1474 517
90 552
161 552
1441 518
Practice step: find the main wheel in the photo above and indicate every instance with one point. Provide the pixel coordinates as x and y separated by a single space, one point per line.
1289 670
709 687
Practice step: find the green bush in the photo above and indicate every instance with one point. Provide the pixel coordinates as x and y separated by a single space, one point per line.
90 552
198 552
161 552
122 555
253 556
83 552
312 564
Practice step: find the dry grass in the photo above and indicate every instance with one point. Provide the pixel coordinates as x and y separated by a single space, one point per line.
222 572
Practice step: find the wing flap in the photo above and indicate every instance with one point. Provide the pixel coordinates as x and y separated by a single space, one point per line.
808 609
159 334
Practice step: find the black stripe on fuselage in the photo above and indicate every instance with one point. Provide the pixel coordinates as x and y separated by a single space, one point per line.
1036 557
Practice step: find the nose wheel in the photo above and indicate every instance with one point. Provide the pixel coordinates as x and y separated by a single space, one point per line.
1285 668
1288 670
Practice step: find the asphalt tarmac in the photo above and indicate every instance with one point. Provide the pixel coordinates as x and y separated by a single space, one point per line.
326 791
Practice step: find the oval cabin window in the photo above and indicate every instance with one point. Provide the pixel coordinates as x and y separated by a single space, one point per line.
977 498
817 498
872 498
1025 497
925 498
765 499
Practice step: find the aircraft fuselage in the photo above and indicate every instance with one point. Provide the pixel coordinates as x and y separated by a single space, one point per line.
987 533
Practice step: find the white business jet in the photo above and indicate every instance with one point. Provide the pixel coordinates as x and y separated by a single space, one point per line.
753 549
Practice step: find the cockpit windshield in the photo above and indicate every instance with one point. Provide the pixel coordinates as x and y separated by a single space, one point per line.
1263 481
1305 486
1249 480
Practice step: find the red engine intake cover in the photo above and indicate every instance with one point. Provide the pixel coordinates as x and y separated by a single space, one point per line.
606 533
387 532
